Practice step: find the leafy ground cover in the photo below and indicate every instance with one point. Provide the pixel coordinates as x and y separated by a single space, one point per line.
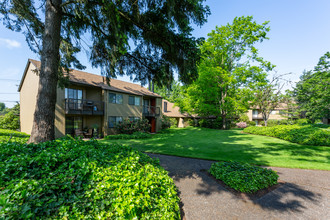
243 177
77 179
301 134
13 136
233 145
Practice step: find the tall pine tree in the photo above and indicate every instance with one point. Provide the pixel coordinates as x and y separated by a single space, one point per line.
147 39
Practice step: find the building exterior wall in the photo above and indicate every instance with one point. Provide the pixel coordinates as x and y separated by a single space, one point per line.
28 99
60 113
275 116
29 90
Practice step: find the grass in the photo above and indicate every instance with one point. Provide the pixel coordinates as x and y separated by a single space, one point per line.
229 145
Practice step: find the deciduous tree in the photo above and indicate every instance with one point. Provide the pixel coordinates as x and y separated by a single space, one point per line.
229 70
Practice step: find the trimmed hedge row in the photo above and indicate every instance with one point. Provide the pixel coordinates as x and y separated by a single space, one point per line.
243 177
301 134
75 179
13 136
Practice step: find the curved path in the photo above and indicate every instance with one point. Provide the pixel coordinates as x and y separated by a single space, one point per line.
304 195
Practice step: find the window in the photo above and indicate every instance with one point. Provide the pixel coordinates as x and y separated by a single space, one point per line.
165 106
273 112
134 118
255 112
133 100
73 93
113 121
115 98
72 123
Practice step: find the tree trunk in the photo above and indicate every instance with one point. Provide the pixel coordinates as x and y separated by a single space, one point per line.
43 125
265 123
224 127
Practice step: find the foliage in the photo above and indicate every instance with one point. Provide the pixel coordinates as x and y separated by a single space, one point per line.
172 93
303 121
130 127
11 119
301 134
135 135
79 179
145 39
166 123
174 122
226 76
244 118
252 123
241 125
268 97
13 136
2 106
213 123
312 91
243 177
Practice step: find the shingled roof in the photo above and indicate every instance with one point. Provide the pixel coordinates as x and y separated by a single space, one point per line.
173 111
84 78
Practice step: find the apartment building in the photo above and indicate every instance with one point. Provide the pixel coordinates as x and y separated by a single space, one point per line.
172 111
255 115
89 102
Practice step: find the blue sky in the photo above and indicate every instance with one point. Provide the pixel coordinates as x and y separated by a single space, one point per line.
299 36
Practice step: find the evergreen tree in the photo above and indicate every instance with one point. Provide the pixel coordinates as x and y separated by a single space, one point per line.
146 39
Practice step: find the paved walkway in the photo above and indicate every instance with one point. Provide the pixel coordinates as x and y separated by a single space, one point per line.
304 195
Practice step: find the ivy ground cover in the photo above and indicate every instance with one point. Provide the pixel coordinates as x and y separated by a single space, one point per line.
233 145
74 179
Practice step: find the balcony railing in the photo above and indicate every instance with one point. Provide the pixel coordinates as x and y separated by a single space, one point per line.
151 111
83 107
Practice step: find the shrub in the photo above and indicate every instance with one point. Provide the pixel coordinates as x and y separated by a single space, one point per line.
75 179
272 122
213 123
166 123
244 118
130 127
243 177
136 135
241 125
252 123
303 121
174 122
301 134
13 136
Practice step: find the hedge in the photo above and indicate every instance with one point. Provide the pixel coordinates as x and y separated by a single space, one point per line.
13 136
301 134
243 177
75 179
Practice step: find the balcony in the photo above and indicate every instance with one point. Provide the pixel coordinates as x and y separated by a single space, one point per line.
151 111
83 107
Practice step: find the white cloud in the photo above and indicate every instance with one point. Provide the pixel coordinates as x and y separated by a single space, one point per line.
9 43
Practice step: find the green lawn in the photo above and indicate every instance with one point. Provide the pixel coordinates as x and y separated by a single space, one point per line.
233 145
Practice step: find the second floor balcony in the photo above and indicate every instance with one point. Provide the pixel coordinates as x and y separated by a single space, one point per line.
151 111
83 107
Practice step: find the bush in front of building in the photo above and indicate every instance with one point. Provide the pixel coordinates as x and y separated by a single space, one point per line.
166 122
130 127
136 135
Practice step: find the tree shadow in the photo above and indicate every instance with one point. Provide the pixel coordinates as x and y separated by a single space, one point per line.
287 197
